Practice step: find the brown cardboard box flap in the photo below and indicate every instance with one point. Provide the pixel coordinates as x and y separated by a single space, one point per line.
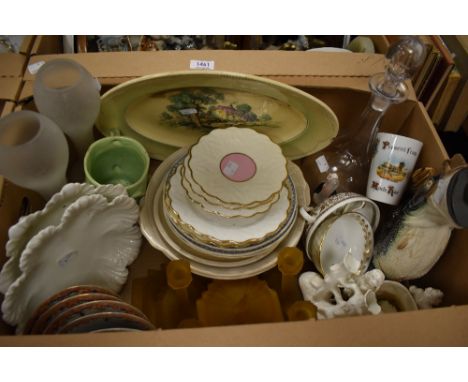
305 69
443 326
9 88
12 64
268 63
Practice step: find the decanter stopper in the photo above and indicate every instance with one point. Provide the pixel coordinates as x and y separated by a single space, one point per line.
404 58
389 88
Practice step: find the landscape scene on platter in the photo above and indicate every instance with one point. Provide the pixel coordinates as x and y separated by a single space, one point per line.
207 108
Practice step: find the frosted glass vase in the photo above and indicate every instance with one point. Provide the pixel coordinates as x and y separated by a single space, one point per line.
33 152
69 95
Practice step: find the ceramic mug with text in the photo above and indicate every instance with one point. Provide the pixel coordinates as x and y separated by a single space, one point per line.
391 167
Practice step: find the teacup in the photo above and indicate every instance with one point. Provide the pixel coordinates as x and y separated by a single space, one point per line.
338 205
118 160
339 235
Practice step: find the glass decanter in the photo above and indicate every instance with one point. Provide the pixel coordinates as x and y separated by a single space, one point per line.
344 165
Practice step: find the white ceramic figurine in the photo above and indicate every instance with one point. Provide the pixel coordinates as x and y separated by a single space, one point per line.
342 292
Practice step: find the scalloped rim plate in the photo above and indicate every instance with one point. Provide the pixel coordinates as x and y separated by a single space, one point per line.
219 231
218 157
221 210
210 255
156 239
30 225
94 243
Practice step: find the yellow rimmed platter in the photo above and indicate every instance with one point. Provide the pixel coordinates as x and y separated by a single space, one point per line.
174 109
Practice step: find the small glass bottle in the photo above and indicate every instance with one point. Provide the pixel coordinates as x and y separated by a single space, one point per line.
343 166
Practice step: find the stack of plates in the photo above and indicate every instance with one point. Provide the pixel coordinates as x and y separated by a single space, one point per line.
85 308
227 205
84 235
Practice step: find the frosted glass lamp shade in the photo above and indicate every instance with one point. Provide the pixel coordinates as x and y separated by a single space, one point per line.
33 152
68 94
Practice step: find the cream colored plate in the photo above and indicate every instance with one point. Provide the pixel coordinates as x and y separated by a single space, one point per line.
210 202
156 239
216 252
208 228
93 244
222 210
297 121
30 225
198 253
237 166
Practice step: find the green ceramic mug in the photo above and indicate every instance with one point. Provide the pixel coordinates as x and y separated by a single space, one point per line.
118 160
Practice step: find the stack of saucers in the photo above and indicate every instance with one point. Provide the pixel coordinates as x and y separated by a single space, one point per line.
83 309
226 203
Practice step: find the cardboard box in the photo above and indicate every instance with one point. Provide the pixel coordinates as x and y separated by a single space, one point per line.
9 92
10 80
13 64
340 80
11 72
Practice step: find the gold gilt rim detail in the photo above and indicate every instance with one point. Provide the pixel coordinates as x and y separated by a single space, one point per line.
208 239
224 204
187 192
368 237
260 202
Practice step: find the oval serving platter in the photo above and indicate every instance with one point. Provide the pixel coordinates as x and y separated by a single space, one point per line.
171 110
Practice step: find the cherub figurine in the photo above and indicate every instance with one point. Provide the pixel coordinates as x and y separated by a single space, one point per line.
342 292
